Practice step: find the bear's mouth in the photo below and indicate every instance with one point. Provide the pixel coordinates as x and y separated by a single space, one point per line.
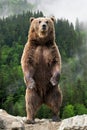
43 31
44 27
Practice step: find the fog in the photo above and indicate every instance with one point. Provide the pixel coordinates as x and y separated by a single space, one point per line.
64 9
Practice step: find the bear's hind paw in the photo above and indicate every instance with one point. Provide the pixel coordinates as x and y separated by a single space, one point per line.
30 121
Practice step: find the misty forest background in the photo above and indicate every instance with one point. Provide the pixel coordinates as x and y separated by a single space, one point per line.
72 43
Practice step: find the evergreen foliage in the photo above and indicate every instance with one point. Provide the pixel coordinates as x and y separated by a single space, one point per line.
10 7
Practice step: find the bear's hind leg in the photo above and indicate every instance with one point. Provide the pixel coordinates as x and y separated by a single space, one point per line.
54 101
33 102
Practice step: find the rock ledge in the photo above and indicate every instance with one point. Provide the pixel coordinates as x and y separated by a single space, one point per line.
9 122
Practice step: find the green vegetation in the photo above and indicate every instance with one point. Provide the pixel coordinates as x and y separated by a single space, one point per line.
44 112
72 45
68 111
72 110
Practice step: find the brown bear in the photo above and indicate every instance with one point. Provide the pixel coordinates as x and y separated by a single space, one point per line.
41 65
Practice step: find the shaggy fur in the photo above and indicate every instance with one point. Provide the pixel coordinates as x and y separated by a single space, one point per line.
41 65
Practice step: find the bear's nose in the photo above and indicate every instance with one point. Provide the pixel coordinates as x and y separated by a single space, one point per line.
44 26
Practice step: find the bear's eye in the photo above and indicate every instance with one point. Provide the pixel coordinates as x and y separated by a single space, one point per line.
46 22
39 21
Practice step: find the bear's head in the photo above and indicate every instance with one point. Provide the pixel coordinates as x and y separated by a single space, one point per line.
42 27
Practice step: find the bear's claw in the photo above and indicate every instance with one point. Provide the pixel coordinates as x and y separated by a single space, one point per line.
31 84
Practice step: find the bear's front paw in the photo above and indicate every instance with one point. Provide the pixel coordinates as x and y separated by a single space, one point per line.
55 79
31 84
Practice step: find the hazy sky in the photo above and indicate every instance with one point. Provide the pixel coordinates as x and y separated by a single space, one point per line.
68 9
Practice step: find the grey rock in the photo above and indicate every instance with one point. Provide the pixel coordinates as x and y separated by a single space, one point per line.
9 122
17 126
74 123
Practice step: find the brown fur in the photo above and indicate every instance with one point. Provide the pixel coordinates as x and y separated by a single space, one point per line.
41 65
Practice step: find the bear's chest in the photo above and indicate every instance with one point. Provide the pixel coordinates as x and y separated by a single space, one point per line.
42 56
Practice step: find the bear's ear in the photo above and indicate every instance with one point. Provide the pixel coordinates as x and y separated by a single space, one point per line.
31 19
52 18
